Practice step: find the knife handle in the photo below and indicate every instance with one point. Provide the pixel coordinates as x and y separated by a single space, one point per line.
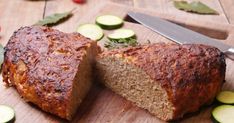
230 53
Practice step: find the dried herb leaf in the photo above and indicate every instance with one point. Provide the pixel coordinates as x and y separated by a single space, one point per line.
1 55
54 18
116 44
195 6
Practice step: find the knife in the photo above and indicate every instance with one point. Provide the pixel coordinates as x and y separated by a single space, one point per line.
178 33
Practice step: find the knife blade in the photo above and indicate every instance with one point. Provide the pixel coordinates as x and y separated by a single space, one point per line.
178 33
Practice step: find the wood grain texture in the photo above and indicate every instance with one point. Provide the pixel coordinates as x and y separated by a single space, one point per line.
166 6
17 13
54 6
124 2
228 7
101 105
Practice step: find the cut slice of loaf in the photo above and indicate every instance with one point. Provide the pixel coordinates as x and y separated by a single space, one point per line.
50 68
168 80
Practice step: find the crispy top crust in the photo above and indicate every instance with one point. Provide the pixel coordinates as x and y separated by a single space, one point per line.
192 74
47 61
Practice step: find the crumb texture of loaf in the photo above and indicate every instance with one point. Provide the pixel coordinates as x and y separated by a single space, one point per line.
169 80
50 68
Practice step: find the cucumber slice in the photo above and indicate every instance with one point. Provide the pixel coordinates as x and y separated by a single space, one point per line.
109 21
223 114
121 34
91 31
226 97
7 114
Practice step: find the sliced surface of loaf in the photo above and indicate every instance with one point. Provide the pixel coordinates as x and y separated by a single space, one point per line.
168 80
50 68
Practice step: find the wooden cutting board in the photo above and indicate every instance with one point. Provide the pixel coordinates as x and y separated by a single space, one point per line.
101 105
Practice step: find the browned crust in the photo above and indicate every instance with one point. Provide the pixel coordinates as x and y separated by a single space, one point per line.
192 74
42 63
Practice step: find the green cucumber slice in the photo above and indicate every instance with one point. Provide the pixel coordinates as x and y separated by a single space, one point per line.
109 21
121 34
7 114
223 114
226 97
91 31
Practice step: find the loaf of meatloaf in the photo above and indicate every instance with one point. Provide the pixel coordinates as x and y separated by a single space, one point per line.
168 80
50 68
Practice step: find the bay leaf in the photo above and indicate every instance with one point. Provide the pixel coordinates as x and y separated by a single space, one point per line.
195 6
54 18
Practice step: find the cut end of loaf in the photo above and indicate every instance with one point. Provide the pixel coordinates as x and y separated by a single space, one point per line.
81 83
83 79
135 85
